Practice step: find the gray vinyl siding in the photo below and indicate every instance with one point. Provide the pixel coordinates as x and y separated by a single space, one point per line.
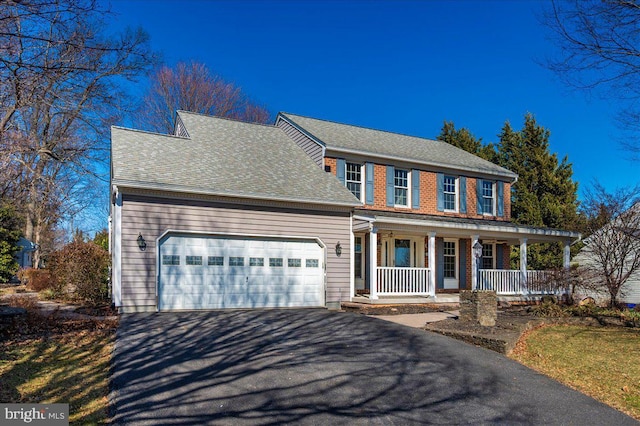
151 217
180 129
312 149
630 292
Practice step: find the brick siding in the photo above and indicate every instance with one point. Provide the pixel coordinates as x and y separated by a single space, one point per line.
428 195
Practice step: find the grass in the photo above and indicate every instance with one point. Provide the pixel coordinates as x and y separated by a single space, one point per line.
56 360
599 361
7 289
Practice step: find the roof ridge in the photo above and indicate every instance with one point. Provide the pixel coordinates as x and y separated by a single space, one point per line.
360 127
149 132
235 120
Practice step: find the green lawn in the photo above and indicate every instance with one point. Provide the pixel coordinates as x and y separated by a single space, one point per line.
70 367
599 361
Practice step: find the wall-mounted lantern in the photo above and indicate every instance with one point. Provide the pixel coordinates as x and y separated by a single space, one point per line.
338 249
142 244
477 250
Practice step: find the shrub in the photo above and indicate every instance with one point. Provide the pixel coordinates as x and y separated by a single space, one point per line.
10 224
83 268
49 294
37 279
548 309
631 317
586 310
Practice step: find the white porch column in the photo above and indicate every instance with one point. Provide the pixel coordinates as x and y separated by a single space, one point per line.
523 260
373 263
567 255
432 263
474 263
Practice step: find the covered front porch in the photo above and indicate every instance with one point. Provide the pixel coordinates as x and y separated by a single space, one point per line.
401 258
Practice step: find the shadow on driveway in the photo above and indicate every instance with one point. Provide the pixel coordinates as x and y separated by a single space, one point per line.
320 367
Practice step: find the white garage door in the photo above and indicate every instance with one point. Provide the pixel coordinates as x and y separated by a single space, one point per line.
214 272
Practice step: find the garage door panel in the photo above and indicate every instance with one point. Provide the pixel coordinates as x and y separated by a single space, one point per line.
239 273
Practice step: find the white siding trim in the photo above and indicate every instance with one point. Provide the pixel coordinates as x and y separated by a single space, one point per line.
116 273
352 266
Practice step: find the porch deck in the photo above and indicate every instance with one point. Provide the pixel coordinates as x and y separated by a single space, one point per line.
415 286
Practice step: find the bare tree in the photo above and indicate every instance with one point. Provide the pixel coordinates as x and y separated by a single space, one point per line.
192 87
600 45
60 89
611 254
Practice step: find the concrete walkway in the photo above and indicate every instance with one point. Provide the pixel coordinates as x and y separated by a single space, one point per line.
417 320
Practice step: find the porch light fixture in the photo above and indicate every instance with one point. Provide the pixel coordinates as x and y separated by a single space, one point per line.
477 250
338 249
142 244
477 253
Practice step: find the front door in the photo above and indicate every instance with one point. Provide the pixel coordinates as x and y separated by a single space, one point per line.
402 253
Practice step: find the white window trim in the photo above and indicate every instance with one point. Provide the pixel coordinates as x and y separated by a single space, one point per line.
359 254
362 178
493 250
457 195
402 206
452 283
494 199
417 250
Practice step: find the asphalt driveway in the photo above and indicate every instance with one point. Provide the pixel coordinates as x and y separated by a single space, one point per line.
319 367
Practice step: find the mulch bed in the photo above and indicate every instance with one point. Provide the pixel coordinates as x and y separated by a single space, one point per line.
35 325
98 311
511 324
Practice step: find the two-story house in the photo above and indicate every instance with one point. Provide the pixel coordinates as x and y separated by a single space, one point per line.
306 212
425 206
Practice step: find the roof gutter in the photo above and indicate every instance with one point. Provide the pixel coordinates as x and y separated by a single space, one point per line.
512 176
195 191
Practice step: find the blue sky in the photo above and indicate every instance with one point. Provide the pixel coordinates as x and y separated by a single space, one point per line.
397 66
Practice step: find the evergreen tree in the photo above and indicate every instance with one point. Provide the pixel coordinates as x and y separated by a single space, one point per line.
10 225
545 194
464 139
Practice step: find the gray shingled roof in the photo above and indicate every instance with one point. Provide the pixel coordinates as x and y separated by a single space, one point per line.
394 146
223 157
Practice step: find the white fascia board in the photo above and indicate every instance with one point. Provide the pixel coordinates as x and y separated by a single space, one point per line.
366 226
518 231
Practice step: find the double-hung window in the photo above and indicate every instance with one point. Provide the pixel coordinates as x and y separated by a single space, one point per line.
353 179
358 257
450 194
488 197
488 259
449 259
401 186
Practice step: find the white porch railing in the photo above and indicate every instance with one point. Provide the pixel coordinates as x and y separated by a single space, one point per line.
403 281
509 282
